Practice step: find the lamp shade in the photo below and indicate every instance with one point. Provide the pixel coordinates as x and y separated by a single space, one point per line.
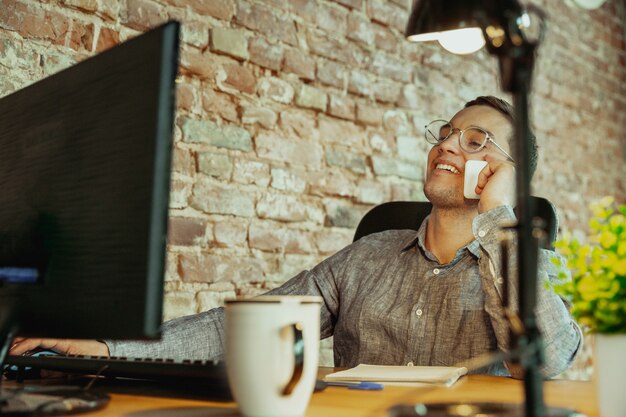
460 21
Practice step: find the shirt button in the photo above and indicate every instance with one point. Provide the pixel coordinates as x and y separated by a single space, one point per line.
481 233
409 364
499 280
436 271
418 312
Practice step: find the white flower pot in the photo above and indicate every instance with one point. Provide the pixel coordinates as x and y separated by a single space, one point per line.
609 374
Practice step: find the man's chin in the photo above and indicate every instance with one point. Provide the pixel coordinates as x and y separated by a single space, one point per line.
447 198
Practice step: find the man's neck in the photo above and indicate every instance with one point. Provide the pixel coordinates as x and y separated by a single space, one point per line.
448 230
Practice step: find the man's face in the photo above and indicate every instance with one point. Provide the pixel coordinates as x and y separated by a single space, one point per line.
444 186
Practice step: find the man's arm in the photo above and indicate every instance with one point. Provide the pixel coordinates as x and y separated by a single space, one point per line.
562 336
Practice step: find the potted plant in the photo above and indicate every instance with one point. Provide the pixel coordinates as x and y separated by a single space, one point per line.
597 294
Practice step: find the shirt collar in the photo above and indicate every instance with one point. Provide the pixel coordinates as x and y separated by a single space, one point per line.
419 240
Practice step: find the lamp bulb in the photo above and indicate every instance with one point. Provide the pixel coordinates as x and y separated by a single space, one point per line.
462 41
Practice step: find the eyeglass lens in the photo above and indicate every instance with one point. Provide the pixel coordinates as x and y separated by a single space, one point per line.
471 139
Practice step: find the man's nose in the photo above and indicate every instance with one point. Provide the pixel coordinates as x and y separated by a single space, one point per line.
451 144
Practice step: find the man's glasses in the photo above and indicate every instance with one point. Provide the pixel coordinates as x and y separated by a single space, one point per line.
471 140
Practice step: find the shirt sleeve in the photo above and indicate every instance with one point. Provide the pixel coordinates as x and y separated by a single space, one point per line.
562 337
201 336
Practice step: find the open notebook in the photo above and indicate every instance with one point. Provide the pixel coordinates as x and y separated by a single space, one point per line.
446 375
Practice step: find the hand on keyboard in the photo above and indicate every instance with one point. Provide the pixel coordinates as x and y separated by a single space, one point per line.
26 346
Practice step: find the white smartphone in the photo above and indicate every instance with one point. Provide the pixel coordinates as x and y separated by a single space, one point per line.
472 169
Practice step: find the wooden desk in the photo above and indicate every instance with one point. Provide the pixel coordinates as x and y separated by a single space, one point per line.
342 402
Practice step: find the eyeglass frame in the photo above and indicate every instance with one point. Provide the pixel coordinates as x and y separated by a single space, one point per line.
488 138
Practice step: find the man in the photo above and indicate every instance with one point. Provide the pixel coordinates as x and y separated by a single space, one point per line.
400 297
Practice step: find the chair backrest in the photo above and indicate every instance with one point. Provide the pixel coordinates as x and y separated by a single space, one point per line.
398 215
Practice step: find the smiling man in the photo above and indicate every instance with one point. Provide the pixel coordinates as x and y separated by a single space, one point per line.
431 297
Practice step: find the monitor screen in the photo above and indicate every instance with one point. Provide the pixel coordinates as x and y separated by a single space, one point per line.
84 187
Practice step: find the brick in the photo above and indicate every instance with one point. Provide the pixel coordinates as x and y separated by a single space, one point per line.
142 14
330 48
262 19
387 91
303 153
360 83
300 64
312 98
195 34
333 74
307 10
185 96
208 300
360 29
198 267
183 162
382 142
354 4
370 192
342 132
82 36
178 304
185 231
216 165
180 192
251 172
343 107
410 97
270 237
340 214
232 42
225 136
388 14
265 54
386 40
281 207
215 102
107 38
301 123
238 77
396 122
390 67
231 233
55 62
276 89
388 166
285 180
220 9
261 115
85 5
412 148
333 183
329 241
346 159
35 23
332 19
214 198
197 64
171 267
369 115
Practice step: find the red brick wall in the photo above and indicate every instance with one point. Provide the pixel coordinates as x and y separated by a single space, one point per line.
295 117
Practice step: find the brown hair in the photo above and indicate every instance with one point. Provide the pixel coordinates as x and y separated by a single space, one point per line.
507 110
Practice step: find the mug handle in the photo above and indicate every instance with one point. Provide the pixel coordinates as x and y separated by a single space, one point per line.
298 358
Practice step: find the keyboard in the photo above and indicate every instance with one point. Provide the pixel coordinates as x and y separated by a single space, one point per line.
166 370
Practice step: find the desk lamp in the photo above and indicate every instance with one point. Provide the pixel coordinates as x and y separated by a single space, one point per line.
511 33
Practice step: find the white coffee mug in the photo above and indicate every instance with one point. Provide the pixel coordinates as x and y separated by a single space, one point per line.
272 351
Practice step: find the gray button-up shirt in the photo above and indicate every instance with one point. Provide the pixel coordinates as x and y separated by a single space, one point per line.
388 300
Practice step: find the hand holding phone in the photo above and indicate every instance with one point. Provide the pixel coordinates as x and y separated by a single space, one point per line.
472 169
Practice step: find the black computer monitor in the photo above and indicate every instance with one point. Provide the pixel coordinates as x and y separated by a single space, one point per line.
84 187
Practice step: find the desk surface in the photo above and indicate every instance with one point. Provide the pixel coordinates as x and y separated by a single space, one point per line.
342 402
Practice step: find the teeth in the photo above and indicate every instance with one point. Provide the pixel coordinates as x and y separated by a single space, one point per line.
448 168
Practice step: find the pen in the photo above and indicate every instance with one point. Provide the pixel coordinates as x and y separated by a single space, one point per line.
366 386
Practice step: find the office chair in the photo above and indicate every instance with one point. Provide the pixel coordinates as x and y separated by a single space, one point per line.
398 215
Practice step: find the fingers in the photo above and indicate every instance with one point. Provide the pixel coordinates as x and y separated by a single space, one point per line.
23 345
